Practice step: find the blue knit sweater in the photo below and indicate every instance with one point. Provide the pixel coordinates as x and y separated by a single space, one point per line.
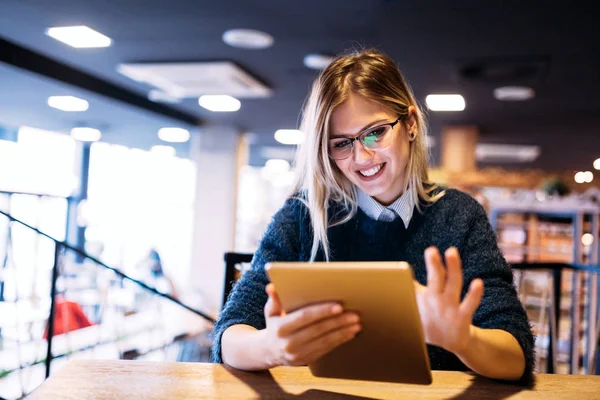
454 220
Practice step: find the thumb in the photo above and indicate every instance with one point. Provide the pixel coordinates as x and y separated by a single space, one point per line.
273 307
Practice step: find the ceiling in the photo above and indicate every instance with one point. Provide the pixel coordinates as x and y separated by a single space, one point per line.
23 97
434 43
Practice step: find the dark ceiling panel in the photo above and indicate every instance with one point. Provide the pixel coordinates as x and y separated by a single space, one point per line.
31 61
431 40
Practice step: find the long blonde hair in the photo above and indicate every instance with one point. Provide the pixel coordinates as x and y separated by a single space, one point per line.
373 75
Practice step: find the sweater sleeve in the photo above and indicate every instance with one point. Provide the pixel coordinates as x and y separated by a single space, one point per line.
500 307
245 304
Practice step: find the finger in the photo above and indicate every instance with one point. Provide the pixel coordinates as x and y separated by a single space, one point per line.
436 276
328 342
273 307
472 299
316 330
305 316
454 280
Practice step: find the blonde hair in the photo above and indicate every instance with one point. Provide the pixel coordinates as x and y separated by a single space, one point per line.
373 75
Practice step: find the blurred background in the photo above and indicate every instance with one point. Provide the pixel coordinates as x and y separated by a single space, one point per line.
146 144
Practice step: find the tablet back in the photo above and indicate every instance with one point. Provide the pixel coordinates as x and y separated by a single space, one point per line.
390 347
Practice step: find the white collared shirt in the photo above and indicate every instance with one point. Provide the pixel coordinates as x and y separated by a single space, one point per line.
402 207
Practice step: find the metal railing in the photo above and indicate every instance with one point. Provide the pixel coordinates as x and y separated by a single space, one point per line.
128 329
584 325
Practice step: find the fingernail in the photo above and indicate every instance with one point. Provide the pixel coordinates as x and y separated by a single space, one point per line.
352 318
336 309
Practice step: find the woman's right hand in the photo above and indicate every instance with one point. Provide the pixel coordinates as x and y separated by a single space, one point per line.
307 334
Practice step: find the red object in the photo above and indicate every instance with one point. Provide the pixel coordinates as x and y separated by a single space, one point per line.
68 316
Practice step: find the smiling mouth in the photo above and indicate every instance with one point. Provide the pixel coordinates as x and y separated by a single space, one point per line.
371 173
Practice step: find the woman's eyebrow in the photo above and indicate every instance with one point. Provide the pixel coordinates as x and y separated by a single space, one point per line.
342 135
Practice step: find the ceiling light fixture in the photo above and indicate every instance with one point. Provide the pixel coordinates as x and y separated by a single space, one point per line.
506 152
588 176
514 93
445 102
159 96
317 61
68 103
597 163
80 37
84 134
289 136
248 39
174 135
219 103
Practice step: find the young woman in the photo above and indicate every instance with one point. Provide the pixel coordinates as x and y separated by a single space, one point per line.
363 195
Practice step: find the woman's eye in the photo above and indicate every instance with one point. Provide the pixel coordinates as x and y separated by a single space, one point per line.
342 144
376 132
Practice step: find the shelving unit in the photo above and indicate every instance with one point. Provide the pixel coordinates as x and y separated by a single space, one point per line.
538 233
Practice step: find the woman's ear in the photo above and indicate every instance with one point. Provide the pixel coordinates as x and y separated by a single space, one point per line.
411 123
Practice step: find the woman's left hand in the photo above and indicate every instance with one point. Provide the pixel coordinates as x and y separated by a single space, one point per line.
446 320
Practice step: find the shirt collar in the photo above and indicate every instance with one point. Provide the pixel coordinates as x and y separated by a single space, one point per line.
403 206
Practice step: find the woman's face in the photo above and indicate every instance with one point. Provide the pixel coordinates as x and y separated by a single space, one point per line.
353 117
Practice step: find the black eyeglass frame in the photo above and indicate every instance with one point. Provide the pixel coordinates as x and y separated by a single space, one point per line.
360 137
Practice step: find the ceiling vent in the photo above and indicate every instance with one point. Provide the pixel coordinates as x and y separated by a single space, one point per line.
193 79
506 153
505 70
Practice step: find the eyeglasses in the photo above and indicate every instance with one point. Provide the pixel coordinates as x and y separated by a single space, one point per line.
374 138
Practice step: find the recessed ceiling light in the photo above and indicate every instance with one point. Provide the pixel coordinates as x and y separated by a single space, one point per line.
159 96
248 39
86 134
317 61
445 102
506 152
168 151
289 136
514 93
174 135
588 176
80 37
219 103
597 163
282 152
68 103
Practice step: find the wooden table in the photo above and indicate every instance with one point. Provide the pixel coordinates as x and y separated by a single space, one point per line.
148 380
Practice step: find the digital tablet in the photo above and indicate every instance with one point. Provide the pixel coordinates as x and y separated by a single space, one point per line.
391 346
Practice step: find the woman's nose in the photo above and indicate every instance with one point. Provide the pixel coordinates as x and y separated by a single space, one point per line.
360 152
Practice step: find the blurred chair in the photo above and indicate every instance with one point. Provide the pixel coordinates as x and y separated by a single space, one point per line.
233 271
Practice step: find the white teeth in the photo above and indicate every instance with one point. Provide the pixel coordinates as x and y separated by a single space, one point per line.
372 171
